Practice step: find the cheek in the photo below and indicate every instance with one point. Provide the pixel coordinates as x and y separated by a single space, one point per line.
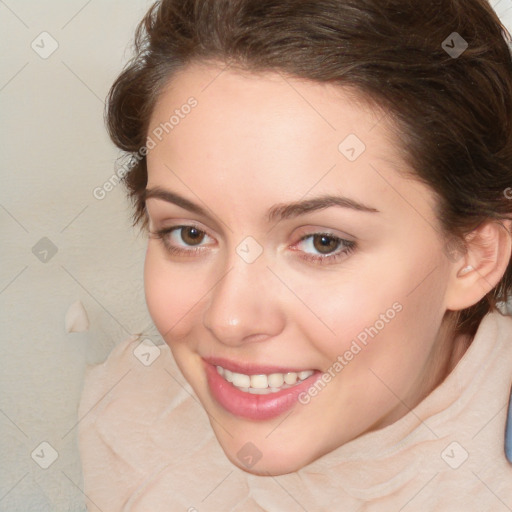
377 312
343 305
172 297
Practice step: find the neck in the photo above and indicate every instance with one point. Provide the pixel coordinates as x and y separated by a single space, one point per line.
446 352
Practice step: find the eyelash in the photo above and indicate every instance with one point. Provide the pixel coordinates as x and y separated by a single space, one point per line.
329 259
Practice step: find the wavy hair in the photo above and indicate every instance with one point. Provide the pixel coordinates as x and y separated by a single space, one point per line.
452 113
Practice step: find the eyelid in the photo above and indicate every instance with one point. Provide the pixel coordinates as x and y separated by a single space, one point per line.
178 223
309 236
317 230
161 211
167 231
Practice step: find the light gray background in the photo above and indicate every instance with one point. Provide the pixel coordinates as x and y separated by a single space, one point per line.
54 153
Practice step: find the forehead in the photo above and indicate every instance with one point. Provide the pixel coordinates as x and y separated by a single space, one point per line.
250 134
266 106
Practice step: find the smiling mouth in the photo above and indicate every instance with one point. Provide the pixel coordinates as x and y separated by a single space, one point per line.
262 393
263 384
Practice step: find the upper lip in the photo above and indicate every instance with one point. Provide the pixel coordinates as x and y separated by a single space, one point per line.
251 368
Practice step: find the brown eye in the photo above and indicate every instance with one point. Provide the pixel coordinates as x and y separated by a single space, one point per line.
324 248
325 244
191 235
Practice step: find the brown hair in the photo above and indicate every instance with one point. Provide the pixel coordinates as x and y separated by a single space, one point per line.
452 113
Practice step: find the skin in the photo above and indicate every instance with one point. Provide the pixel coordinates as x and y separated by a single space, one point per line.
237 157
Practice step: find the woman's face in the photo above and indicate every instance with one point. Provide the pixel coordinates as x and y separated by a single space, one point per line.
304 250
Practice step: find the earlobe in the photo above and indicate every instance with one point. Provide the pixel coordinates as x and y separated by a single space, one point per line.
483 265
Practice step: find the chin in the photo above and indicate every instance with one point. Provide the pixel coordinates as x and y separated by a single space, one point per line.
263 457
269 467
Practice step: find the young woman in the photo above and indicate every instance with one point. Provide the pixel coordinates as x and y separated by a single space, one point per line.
326 186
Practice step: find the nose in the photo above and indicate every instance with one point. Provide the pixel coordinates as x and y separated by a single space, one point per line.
244 304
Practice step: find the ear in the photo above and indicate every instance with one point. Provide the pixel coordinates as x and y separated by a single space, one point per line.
487 256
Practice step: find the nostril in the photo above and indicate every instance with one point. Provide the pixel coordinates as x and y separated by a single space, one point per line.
256 338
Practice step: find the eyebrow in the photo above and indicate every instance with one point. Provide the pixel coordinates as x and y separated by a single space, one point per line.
278 211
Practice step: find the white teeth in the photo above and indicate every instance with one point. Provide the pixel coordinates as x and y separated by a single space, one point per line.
241 381
262 384
275 380
259 381
290 378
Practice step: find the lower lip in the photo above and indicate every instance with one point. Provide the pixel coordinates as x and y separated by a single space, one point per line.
254 407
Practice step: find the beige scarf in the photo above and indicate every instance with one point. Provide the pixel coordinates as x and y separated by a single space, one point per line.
146 444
